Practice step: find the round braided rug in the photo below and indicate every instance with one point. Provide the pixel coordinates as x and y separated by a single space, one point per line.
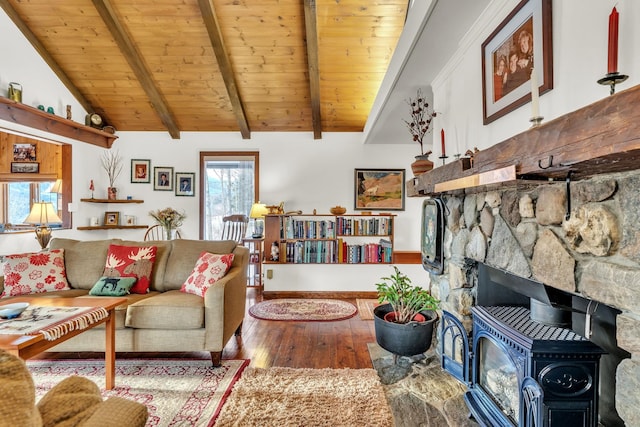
303 309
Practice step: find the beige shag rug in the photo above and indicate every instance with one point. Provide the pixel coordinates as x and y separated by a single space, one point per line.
306 397
365 308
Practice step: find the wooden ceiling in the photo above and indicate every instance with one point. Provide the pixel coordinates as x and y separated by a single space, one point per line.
218 65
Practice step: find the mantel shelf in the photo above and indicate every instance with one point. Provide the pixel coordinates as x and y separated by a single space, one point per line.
26 115
603 137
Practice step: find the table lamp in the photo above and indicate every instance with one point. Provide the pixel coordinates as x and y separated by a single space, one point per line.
42 214
258 211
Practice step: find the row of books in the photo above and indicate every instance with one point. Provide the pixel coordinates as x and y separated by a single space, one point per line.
329 228
337 252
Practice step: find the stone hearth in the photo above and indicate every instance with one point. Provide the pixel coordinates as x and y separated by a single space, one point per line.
594 254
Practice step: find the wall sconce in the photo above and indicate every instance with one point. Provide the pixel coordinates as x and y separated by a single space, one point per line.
42 215
258 211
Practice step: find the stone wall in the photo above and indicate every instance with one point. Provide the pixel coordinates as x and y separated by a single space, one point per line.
594 252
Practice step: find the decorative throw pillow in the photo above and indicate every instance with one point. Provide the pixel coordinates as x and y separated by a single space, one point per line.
131 261
36 272
113 286
208 270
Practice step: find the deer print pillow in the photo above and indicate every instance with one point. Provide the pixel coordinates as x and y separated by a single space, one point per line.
131 261
113 286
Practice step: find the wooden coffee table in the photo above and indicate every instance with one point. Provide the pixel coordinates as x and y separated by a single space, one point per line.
27 346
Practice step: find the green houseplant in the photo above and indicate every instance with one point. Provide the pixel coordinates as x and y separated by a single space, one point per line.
405 319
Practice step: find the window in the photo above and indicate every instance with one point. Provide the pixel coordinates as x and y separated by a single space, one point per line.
20 196
229 186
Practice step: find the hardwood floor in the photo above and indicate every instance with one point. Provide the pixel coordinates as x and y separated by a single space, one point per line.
340 344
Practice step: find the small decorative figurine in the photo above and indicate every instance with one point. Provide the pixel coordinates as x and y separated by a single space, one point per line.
275 252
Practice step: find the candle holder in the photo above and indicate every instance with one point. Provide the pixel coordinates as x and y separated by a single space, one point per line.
612 79
535 121
443 157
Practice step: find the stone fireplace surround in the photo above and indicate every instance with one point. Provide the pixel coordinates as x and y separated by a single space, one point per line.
594 254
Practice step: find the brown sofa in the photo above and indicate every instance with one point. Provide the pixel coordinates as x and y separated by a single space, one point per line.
165 319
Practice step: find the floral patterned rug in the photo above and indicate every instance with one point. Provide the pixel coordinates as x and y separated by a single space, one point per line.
303 309
177 392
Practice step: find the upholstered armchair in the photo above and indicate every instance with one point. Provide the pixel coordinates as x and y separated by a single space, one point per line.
75 401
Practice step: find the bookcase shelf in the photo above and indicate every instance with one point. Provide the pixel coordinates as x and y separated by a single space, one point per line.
329 239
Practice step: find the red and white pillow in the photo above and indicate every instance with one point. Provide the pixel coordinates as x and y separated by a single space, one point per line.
32 273
208 270
131 261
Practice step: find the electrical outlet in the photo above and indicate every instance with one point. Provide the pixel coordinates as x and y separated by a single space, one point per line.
269 274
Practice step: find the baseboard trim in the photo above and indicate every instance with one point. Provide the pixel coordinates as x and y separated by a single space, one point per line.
333 295
407 257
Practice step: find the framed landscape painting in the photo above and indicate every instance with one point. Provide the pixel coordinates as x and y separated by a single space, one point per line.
379 189
519 46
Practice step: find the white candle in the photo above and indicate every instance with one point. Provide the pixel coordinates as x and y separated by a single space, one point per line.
535 95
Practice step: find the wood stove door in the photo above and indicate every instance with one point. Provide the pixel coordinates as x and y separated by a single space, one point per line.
454 348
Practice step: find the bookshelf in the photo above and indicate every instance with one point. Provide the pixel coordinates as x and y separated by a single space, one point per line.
329 239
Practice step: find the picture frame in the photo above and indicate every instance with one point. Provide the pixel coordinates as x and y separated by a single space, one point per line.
24 152
112 218
506 67
163 178
25 167
432 236
185 184
140 171
379 189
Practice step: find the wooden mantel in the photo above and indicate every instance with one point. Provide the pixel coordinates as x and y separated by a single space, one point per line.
603 137
26 115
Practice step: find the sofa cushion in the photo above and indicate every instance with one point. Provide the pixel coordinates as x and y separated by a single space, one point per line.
36 272
185 253
84 260
113 286
163 249
131 261
173 310
208 270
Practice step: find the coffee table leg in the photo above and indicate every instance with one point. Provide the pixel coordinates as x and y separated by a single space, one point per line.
110 350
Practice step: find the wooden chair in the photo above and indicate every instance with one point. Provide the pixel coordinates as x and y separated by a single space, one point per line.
156 232
234 227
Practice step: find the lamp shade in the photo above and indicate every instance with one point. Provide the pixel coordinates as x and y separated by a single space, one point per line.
42 213
258 210
56 187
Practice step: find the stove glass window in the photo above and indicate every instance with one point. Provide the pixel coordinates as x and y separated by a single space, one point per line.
497 375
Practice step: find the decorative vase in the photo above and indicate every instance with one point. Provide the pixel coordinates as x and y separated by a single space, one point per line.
421 165
112 193
403 339
170 233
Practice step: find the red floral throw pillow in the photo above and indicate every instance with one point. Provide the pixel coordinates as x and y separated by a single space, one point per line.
208 270
33 273
131 261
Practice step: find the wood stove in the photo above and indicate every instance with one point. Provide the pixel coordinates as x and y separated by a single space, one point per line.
520 371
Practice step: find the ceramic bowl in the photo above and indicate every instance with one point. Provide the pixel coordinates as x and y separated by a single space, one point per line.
9 311
338 210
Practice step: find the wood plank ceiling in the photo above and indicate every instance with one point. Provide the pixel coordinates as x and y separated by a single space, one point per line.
218 65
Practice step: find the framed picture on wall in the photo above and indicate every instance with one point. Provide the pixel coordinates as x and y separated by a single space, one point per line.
185 183
163 178
25 167
24 152
519 46
379 189
140 171
111 218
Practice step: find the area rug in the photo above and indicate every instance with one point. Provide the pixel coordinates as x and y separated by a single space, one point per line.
365 308
302 309
306 397
177 392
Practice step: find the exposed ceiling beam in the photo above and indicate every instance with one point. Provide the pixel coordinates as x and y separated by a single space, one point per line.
312 60
46 56
134 58
220 50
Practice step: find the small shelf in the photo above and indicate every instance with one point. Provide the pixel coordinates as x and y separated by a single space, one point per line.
112 201
26 115
111 227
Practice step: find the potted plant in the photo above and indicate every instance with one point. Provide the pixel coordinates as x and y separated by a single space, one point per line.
404 321
419 126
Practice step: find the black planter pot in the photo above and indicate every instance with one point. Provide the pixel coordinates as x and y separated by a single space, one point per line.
406 339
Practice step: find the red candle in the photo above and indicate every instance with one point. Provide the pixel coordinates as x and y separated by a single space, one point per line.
613 42
442 137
